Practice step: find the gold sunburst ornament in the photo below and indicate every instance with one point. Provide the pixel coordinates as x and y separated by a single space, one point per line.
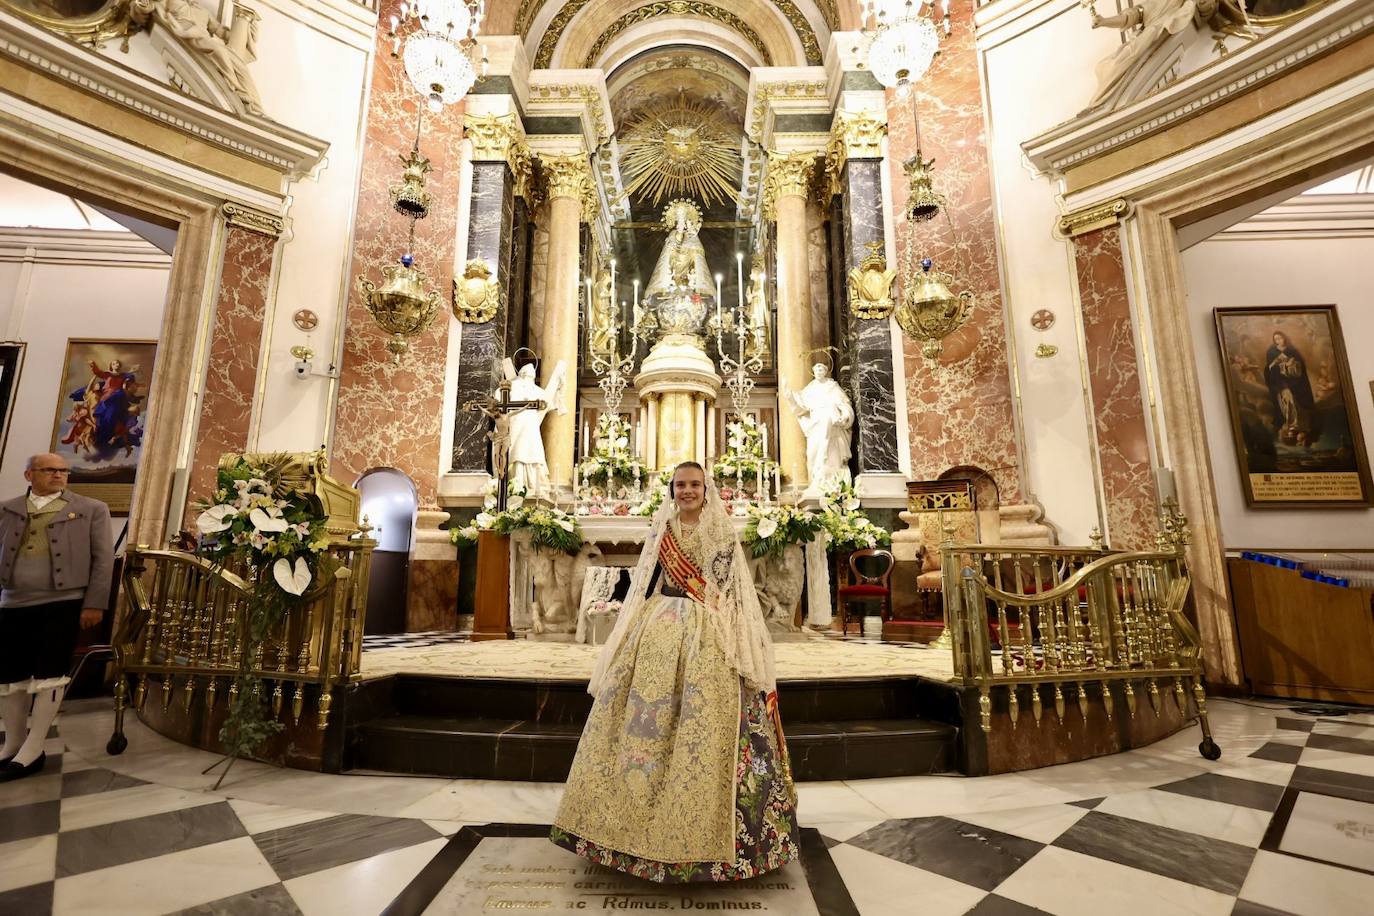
688 148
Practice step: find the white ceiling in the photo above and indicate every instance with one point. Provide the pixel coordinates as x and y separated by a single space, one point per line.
27 206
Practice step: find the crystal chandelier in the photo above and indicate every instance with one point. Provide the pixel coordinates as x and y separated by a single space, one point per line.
436 39
902 39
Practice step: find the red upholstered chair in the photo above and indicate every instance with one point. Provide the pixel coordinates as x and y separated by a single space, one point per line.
866 588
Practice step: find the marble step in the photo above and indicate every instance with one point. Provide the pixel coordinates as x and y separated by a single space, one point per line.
543 751
822 700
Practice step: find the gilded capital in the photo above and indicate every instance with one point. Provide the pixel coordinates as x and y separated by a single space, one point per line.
493 136
789 174
571 177
241 217
856 135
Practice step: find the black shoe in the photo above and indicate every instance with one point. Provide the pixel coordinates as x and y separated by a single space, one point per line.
10 770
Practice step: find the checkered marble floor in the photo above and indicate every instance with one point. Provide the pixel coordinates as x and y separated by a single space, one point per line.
1283 823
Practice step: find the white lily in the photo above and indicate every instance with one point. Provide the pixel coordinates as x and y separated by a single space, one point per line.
514 502
485 520
767 528
216 518
267 523
291 580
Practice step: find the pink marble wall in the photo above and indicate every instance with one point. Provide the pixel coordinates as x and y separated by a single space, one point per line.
390 415
959 412
235 344
1117 402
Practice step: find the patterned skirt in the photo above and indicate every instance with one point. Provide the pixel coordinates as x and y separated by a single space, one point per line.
681 774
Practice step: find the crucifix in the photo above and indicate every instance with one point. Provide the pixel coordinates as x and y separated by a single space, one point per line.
500 409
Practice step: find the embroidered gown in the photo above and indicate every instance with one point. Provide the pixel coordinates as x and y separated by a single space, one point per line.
681 774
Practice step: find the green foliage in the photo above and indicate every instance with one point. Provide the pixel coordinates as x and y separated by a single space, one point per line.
771 529
849 528
549 528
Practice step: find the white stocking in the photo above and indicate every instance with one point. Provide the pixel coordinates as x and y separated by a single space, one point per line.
45 704
14 713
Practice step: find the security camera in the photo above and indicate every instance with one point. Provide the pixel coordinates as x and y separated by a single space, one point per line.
303 365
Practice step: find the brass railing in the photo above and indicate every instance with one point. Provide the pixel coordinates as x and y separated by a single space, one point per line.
185 621
186 624
1092 623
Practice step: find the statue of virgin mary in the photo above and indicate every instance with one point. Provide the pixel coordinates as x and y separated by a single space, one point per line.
681 289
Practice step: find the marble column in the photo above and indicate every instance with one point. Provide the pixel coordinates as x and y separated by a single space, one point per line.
500 167
226 402
785 188
857 165
572 199
1118 401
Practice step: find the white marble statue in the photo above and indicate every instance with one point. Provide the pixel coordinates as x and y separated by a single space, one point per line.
229 50
827 418
1153 21
527 464
558 580
779 578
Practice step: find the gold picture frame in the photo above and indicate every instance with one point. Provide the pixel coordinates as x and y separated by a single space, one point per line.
1294 417
98 423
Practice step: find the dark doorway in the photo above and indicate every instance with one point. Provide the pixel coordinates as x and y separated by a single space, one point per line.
389 502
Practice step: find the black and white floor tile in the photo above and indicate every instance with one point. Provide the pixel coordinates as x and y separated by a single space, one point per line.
1283 823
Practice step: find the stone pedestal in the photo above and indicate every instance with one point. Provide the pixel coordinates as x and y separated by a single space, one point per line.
432 580
676 382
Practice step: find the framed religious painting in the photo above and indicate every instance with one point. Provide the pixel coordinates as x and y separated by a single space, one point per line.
99 422
1293 412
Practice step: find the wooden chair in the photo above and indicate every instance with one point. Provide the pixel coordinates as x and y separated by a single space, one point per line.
866 588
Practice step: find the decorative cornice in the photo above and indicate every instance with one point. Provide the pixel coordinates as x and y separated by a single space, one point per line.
670 8
588 95
1091 219
557 27
240 217
290 152
767 93
789 174
571 177
1096 133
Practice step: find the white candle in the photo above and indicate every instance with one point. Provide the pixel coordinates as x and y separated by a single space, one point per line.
777 480
636 292
1167 488
585 433
739 279
718 279
763 437
577 480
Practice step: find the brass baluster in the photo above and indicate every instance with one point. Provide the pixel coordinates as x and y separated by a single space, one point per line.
1180 697
1013 705
985 708
277 699
1037 704
189 694
1130 699
1083 701
1059 702
322 707
141 692
1027 625
298 702
1155 702
210 689
166 690
1107 699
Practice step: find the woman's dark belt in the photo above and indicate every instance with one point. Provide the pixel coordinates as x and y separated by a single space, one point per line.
671 591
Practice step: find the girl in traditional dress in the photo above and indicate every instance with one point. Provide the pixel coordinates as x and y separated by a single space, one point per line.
682 774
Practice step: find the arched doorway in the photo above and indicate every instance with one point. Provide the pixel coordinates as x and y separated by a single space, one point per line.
389 501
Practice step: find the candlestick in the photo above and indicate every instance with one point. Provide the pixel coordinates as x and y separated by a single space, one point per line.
636 293
577 479
612 279
777 480
718 279
585 434
763 436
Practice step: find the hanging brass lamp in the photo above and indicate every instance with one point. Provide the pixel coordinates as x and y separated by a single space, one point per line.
927 311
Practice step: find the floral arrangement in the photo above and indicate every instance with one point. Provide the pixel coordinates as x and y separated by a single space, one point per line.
611 459
743 456
771 529
549 527
604 606
274 535
849 528
657 492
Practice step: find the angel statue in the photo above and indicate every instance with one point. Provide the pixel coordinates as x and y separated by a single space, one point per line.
527 464
229 50
1153 21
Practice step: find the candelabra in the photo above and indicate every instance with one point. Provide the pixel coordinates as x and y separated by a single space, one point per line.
612 368
738 370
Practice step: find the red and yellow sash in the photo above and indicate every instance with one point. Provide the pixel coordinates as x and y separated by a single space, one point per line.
680 569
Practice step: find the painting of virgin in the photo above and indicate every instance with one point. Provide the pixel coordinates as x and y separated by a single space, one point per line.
1292 406
99 426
